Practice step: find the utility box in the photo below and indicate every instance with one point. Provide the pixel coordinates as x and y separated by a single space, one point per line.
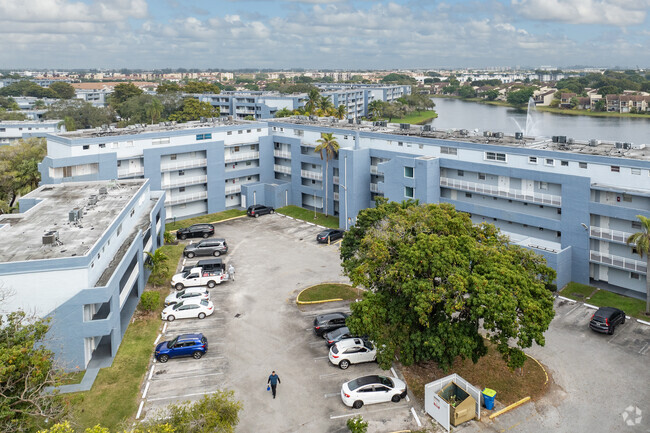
462 406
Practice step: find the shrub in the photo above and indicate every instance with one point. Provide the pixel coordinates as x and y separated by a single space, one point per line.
357 425
149 301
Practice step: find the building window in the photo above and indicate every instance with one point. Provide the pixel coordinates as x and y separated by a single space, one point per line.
532 160
173 157
448 150
241 131
119 230
181 172
634 275
421 146
636 225
495 156
102 145
248 163
461 173
636 171
481 176
549 161
67 171
230 132
468 195
86 147
408 172
181 189
236 148
408 192
399 143
627 198
564 163
248 131
615 169
155 141
582 164
543 185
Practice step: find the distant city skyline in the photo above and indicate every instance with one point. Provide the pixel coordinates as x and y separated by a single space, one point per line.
323 34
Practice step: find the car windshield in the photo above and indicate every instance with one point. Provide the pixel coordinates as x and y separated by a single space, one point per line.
339 332
172 343
179 294
204 302
177 306
335 349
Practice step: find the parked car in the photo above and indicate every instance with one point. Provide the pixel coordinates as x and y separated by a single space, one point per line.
258 209
207 247
207 265
329 235
329 322
337 335
189 293
352 351
194 345
195 231
372 389
188 309
197 277
605 319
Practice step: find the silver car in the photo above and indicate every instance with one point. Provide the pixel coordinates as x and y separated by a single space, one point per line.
188 293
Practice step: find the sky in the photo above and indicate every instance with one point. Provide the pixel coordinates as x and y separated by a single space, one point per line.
323 34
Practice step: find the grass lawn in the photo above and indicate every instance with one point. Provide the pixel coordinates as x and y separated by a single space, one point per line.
323 292
211 218
72 378
173 253
490 371
602 298
415 118
308 215
571 112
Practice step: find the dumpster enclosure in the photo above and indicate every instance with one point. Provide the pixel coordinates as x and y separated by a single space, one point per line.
452 400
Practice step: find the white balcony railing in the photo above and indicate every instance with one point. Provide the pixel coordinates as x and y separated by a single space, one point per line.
130 172
619 262
233 189
336 196
282 154
375 170
374 187
241 156
311 174
180 181
335 180
186 198
282 169
609 235
534 197
180 165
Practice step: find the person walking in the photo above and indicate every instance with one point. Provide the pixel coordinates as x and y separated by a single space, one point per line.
274 379
231 272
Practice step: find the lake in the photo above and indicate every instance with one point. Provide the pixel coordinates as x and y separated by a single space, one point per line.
457 114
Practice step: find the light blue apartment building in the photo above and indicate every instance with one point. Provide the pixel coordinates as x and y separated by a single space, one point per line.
573 203
76 254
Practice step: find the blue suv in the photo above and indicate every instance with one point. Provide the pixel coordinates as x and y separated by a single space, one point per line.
194 345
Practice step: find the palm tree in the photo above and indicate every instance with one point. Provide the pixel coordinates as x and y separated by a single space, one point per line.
313 101
157 264
341 111
328 144
153 109
375 109
325 104
642 242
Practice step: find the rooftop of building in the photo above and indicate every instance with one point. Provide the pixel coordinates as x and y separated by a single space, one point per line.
25 232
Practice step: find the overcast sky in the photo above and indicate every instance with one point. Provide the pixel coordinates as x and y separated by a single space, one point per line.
331 34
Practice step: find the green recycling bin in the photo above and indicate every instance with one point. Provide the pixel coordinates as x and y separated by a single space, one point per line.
488 398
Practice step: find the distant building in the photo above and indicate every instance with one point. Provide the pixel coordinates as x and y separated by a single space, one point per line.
12 130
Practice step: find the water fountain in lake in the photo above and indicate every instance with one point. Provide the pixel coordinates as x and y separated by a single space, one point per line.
531 128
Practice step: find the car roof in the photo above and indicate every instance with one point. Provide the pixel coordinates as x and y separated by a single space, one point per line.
202 225
189 336
329 316
606 311
349 342
367 380
209 262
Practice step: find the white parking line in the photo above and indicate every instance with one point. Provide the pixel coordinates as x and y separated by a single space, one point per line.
392 370
590 306
415 415
140 410
165 327
151 372
325 376
157 339
182 396
182 376
355 413
643 349
146 388
567 299
318 358
333 394
572 310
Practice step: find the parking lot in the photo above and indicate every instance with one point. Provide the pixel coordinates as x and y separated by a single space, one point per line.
257 328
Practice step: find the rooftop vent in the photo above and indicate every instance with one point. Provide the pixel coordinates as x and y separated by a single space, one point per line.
102 190
593 142
519 135
75 214
51 237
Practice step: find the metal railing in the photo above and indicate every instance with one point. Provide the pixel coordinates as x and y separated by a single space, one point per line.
194 180
127 172
375 170
243 156
609 235
185 198
282 154
233 189
184 164
336 196
311 175
554 200
374 187
282 168
335 180
619 262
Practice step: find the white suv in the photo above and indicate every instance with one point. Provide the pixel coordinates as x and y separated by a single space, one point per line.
352 351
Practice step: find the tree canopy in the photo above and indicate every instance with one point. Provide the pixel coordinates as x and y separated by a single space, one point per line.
63 90
193 109
83 114
27 88
122 92
200 87
436 281
168 87
521 96
19 170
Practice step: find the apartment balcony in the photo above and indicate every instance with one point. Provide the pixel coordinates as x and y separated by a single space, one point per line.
609 235
619 262
194 180
493 190
335 180
241 156
374 187
130 172
375 170
336 196
233 189
181 165
311 175
282 169
282 154
186 198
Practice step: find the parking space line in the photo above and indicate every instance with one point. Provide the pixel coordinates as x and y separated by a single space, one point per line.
182 376
140 410
157 339
182 396
146 388
415 415
165 327
643 349
318 358
151 372
332 394
325 376
572 310
355 413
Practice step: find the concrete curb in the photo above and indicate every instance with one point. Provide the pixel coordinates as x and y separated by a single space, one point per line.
509 408
541 366
306 222
316 302
215 222
594 307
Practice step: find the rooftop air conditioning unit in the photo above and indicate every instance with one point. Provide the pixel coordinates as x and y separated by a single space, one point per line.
555 139
638 146
103 190
570 140
619 145
351 121
593 142
487 134
51 237
75 214
627 145
498 134
404 126
519 135
426 128
463 132
561 139
92 200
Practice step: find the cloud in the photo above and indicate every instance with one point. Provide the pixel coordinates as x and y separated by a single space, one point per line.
620 13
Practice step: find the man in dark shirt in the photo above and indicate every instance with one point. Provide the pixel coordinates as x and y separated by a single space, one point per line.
274 379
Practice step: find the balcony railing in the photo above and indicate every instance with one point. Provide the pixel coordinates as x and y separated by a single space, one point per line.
375 170
609 235
184 164
186 198
233 189
241 156
335 180
130 172
282 168
336 196
619 262
374 187
194 180
282 154
311 174
539 198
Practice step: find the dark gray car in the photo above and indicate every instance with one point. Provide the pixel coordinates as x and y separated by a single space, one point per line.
207 247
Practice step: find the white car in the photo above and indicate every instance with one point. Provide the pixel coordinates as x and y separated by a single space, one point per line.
187 309
352 351
372 389
189 293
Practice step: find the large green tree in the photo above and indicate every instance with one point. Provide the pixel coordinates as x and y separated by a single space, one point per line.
327 147
193 109
63 90
520 97
19 169
313 101
168 87
122 92
83 114
641 241
436 281
200 87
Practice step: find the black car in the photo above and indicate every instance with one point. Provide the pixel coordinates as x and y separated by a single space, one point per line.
258 209
329 235
605 319
195 231
337 335
329 322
